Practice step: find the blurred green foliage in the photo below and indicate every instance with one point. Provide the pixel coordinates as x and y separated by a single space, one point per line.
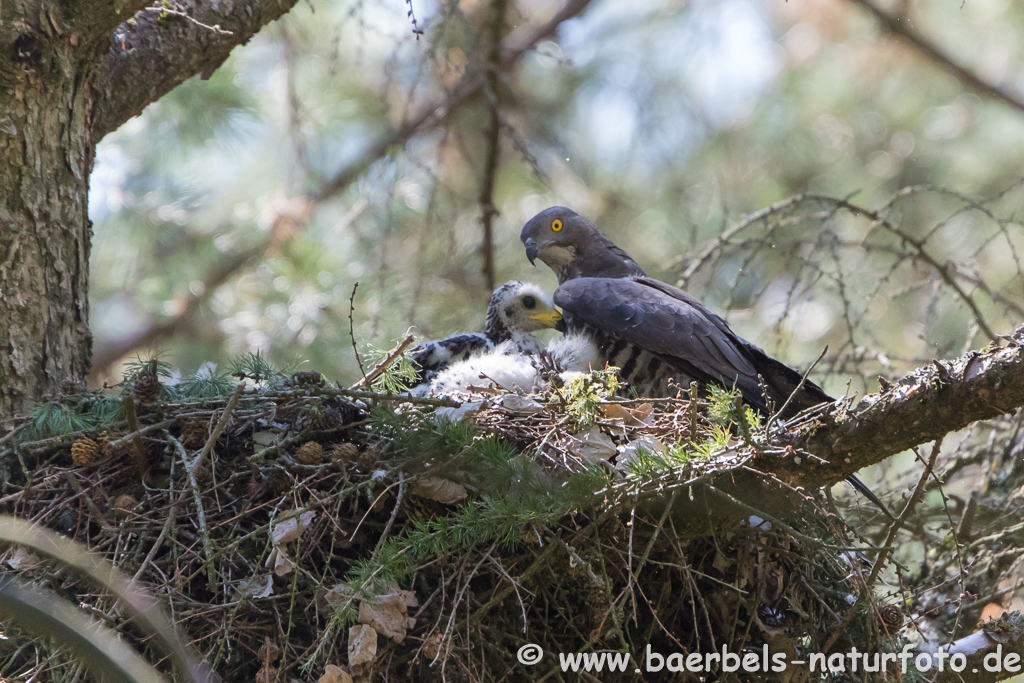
664 122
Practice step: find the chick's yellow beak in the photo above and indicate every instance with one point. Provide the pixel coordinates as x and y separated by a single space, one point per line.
549 319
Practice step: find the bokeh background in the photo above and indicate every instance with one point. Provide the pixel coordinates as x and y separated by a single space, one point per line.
671 124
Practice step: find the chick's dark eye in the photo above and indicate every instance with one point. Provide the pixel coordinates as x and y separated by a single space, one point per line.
529 301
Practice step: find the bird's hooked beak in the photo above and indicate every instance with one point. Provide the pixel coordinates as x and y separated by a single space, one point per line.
550 319
532 249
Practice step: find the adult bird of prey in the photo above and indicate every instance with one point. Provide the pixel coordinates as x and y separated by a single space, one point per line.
516 310
653 332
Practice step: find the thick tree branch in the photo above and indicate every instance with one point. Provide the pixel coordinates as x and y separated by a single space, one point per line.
157 50
97 18
80 23
900 26
1002 636
927 404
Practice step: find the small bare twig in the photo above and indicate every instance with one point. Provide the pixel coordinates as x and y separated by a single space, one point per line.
883 555
900 26
138 455
178 13
222 423
76 486
13 433
394 513
352 329
204 533
803 380
368 378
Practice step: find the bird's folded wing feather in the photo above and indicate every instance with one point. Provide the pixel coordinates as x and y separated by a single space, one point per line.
662 320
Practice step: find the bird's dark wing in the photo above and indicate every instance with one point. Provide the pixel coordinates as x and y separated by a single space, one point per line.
672 327
434 356
781 379
671 323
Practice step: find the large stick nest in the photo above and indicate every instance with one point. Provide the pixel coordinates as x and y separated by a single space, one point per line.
301 532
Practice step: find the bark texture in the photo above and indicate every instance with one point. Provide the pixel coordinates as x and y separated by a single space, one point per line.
924 406
69 74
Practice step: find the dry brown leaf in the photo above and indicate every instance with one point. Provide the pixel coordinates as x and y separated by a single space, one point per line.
256 587
432 645
390 616
613 411
23 560
441 490
633 417
335 596
279 562
289 529
722 562
593 445
362 645
642 413
282 533
334 674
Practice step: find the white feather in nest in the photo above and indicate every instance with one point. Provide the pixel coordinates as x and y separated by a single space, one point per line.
506 369
501 368
576 353
516 310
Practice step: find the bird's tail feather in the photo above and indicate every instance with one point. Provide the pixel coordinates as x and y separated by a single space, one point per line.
869 494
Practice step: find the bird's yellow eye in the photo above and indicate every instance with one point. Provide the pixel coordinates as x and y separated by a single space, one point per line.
556 225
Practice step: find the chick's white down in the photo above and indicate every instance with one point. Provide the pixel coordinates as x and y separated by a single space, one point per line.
516 310
504 368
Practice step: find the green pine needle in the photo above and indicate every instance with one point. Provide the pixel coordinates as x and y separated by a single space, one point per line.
256 367
53 419
207 383
398 377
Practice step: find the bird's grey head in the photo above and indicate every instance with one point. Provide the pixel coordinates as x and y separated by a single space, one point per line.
556 236
519 308
573 247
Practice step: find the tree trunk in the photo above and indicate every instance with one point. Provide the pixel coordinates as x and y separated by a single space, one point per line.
46 155
71 72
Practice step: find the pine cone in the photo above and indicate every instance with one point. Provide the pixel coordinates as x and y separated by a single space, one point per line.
123 505
147 385
106 441
344 453
368 459
84 452
891 617
310 453
311 417
72 384
307 379
193 434
267 674
269 651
